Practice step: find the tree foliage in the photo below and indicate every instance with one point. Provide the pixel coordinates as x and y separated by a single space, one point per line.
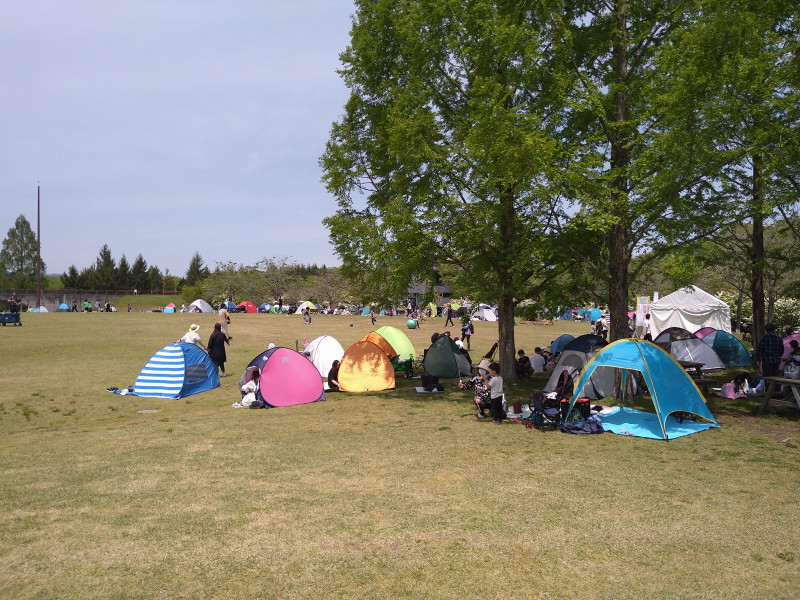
18 255
440 158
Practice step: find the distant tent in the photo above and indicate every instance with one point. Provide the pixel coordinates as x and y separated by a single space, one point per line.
230 306
381 342
264 308
595 314
672 390
399 341
200 306
169 309
63 308
365 368
247 307
40 309
484 314
689 308
305 305
586 343
445 359
567 370
558 344
365 311
729 349
683 345
287 378
323 351
176 371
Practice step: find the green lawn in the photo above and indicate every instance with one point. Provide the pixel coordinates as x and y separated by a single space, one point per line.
389 495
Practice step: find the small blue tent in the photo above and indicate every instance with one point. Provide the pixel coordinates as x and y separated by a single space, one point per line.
558 344
671 388
264 308
230 306
585 343
63 308
175 371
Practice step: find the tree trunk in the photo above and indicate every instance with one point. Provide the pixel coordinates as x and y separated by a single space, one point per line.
505 326
619 259
757 252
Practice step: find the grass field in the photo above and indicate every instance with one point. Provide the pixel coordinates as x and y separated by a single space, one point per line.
389 495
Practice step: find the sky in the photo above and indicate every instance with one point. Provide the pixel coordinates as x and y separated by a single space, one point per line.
169 127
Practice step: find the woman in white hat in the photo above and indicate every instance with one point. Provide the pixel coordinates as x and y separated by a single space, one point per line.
192 337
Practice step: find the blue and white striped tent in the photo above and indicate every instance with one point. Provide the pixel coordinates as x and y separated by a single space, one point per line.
176 371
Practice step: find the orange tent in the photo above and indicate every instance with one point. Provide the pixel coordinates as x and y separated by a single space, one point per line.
381 342
365 368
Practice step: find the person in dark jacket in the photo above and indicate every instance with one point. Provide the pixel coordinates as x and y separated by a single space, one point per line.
216 348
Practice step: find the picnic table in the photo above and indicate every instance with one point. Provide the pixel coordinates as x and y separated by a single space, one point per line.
792 400
695 370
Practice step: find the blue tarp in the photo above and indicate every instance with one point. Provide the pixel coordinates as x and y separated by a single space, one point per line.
638 423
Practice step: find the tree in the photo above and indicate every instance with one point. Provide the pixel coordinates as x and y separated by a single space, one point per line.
123 274
69 280
139 280
197 271
18 255
753 118
105 269
441 144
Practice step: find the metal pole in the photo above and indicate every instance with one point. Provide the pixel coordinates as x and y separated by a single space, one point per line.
38 249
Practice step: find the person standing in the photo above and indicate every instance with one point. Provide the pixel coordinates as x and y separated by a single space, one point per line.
74 305
216 348
495 385
372 314
224 320
467 329
449 319
280 305
192 337
770 350
86 306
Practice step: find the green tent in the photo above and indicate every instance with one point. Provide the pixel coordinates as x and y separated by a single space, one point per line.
399 341
445 359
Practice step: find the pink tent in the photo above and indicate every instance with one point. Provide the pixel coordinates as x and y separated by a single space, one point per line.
704 331
287 378
787 348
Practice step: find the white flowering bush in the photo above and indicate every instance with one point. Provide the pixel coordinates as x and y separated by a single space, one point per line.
787 312
731 298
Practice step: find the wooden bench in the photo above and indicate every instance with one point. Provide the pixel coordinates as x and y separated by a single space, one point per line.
703 383
793 400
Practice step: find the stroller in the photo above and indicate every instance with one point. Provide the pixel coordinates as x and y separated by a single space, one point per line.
546 412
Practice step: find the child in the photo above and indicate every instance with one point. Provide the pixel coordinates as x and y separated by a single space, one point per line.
495 382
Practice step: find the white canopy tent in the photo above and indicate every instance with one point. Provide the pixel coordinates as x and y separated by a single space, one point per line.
689 308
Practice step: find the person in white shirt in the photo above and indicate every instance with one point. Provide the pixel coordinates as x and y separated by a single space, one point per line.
192 337
538 361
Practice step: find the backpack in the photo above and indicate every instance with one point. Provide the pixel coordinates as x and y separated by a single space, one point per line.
792 370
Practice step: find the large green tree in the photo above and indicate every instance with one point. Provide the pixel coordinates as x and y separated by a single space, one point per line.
197 271
440 158
18 255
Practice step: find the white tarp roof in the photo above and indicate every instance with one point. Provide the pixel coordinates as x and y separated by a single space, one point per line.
689 308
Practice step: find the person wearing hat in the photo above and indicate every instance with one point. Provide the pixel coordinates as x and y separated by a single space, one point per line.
192 337
770 350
